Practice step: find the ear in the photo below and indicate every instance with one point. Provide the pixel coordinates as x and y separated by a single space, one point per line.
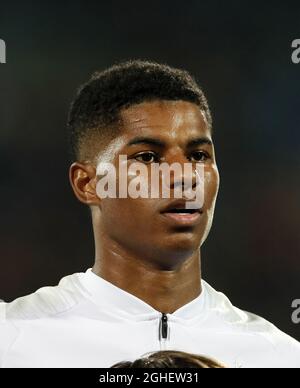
83 181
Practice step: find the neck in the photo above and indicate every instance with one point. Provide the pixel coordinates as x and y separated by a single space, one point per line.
164 290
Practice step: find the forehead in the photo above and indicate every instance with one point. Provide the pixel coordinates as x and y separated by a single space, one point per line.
166 119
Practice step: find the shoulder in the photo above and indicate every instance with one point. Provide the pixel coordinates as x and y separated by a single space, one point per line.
45 302
241 321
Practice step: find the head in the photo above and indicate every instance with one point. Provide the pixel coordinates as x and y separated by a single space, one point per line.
171 359
150 113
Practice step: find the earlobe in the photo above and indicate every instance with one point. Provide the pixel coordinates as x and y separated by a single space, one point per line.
83 181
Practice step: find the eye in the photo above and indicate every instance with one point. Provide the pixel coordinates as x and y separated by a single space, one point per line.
198 156
147 157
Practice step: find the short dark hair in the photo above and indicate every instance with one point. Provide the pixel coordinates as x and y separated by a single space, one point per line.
171 359
97 104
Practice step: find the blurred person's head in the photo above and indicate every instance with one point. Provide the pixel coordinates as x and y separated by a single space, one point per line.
171 359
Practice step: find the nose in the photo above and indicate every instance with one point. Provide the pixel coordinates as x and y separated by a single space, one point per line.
184 174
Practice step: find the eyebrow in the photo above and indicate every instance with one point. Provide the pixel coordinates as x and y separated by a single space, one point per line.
159 143
147 140
198 141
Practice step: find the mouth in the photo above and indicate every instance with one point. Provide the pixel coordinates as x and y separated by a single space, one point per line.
177 213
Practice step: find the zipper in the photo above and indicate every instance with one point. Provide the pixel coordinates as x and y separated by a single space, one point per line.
163 330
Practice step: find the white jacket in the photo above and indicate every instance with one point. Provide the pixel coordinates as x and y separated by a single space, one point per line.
86 321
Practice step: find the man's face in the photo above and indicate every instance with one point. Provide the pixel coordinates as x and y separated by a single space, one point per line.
156 132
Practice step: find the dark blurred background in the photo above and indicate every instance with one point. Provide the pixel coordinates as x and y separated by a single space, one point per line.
240 52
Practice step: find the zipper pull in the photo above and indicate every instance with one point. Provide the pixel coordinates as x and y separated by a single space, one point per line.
164 326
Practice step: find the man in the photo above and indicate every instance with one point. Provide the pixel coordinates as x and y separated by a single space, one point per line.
144 292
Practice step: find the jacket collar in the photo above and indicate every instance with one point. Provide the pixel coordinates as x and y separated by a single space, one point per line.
112 298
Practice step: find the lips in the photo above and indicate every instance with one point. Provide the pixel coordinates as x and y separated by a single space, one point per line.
177 205
177 212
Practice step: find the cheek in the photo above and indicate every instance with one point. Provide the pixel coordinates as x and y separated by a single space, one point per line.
126 214
211 185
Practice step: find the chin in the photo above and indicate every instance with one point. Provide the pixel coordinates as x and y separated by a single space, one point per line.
182 242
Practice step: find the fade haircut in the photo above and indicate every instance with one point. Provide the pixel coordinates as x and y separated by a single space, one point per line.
95 111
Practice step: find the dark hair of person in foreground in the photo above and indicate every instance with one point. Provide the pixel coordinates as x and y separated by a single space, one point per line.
171 359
